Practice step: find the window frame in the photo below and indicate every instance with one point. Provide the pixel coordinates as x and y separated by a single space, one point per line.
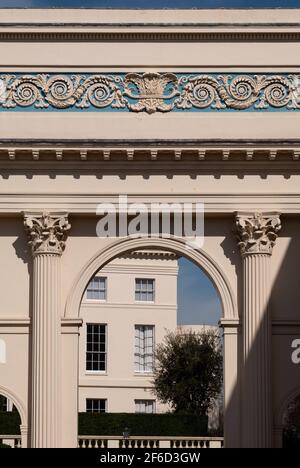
92 371
140 291
95 399
140 401
97 290
144 355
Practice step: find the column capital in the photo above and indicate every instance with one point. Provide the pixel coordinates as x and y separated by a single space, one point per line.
257 232
47 232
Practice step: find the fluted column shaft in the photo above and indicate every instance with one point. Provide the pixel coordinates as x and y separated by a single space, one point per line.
257 234
47 235
257 411
46 384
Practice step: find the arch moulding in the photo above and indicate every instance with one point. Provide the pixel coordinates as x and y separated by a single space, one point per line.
178 246
17 402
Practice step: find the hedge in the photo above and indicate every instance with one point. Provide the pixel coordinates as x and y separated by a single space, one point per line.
291 438
108 424
10 423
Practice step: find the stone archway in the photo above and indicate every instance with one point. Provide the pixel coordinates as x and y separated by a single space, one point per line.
176 245
21 410
229 322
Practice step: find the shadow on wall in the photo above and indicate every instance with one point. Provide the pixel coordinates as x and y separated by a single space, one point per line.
284 373
291 423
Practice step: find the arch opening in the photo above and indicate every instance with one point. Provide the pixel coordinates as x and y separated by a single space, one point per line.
178 246
100 266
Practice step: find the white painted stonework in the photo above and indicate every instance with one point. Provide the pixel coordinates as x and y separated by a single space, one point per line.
2 352
57 165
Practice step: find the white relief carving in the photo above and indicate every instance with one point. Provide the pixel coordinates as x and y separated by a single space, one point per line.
257 232
150 92
47 233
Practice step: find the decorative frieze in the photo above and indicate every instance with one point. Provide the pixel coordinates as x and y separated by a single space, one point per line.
257 232
149 92
47 233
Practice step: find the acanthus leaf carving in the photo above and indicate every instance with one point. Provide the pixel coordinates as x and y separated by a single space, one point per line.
47 233
150 92
257 232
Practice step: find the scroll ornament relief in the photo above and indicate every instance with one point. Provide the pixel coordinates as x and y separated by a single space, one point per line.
257 233
47 233
150 92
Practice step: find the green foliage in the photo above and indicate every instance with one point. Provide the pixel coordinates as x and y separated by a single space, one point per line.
10 423
4 446
291 434
291 438
188 371
141 424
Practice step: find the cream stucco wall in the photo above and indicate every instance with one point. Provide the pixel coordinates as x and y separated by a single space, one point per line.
261 174
120 385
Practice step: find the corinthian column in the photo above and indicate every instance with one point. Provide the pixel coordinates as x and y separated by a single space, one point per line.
47 234
257 234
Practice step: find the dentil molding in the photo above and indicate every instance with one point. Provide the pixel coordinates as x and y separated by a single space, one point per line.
130 151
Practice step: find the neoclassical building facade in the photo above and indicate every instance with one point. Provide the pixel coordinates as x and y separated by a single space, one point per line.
165 107
126 311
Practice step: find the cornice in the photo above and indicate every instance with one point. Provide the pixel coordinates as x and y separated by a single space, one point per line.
149 24
143 151
122 269
149 36
137 306
152 254
91 31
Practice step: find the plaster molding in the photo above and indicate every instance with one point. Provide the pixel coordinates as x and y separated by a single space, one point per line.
176 245
152 254
21 407
257 232
86 304
86 203
47 232
149 92
37 33
156 270
201 153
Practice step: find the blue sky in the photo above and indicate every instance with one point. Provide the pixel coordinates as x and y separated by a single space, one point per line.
198 302
151 3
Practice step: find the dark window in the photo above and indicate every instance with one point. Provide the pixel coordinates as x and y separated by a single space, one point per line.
95 406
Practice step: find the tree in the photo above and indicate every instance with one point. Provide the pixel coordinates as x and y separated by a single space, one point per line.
188 371
291 433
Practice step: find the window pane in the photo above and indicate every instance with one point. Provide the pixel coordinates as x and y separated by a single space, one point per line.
145 406
96 289
95 405
96 347
144 348
144 290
